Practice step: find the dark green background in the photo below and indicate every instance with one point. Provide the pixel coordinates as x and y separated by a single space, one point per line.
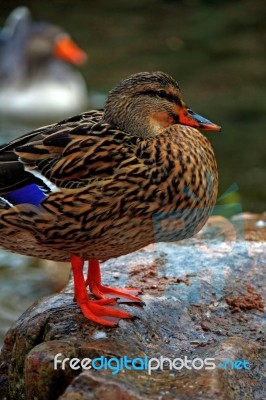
215 50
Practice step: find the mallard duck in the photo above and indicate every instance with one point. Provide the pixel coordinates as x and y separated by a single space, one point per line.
106 183
35 82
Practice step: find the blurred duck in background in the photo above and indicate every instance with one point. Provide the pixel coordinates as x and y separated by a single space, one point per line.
35 81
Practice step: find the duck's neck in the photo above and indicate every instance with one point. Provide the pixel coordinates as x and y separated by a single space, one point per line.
126 115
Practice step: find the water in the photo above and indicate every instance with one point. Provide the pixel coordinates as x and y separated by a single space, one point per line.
21 283
215 50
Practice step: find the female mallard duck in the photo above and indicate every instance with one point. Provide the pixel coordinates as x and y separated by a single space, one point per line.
101 184
35 82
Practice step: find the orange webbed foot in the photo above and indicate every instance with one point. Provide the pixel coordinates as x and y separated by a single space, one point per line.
98 311
102 292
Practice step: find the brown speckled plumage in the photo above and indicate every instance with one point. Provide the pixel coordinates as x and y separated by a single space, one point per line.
121 179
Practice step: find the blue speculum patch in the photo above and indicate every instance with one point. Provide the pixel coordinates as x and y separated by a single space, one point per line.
30 194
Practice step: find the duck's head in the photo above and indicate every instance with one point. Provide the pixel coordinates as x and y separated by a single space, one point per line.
37 41
47 41
147 103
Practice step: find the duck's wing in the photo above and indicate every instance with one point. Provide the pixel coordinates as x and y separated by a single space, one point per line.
13 175
67 155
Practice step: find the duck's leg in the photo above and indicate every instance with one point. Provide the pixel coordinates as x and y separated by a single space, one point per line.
94 282
95 310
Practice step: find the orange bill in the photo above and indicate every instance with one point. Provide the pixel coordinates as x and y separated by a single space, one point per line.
67 50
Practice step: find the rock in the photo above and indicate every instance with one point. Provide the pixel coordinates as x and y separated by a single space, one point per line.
89 387
187 316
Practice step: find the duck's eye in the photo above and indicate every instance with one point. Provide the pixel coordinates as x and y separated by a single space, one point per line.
162 93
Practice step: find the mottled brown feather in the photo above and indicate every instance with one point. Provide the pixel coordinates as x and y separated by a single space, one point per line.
118 189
